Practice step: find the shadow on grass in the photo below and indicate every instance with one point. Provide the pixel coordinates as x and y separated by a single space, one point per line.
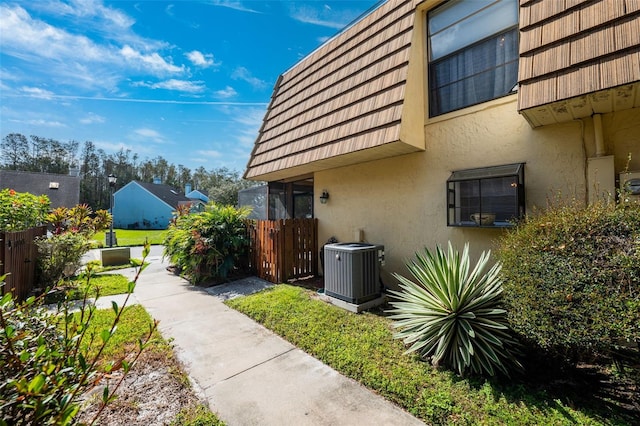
548 384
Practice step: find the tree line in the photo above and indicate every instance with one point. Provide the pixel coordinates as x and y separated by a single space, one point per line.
45 155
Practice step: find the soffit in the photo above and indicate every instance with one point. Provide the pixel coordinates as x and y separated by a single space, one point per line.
601 102
577 57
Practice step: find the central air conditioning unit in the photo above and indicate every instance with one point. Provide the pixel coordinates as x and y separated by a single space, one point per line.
352 271
630 186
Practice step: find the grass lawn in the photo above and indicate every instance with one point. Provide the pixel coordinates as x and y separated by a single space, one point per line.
361 346
132 237
108 284
134 325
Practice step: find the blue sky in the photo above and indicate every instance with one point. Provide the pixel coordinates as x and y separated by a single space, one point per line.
186 80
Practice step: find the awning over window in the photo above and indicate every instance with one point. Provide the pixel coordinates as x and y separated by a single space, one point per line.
487 172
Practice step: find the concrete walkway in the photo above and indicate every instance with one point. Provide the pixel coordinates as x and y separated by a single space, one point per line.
249 375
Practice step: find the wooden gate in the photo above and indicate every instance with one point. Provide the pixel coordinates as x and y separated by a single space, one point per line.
284 249
18 255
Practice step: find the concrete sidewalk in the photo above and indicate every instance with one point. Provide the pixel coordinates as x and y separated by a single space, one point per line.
249 375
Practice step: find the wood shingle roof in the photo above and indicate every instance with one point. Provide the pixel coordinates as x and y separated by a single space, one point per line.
341 101
578 57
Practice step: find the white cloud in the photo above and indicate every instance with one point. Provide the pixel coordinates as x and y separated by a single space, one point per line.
115 146
241 73
73 59
92 118
88 9
211 153
41 122
149 134
36 92
235 5
250 120
94 17
227 92
201 60
25 37
177 85
151 61
323 16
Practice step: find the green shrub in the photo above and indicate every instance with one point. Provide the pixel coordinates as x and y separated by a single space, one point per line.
59 257
79 219
453 315
572 279
207 244
21 210
48 361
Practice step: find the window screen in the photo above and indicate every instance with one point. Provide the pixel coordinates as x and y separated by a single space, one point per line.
473 53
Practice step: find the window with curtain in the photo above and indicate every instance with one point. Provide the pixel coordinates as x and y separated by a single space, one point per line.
473 53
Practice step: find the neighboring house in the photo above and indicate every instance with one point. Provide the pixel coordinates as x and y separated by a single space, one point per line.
196 195
424 114
62 190
143 205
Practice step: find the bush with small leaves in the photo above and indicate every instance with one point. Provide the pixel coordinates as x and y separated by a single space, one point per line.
208 244
21 210
48 360
572 280
454 315
59 257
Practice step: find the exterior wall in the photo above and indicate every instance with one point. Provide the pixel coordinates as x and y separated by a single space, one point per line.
622 138
401 202
136 208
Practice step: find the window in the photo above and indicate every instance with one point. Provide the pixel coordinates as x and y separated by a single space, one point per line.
486 197
473 53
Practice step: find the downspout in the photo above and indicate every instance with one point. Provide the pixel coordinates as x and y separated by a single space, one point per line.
597 130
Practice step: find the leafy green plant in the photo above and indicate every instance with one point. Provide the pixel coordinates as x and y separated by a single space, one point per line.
454 315
572 280
48 361
79 219
207 244
21 210
59 257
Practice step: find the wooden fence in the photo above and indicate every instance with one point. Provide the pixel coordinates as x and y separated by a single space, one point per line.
284 249
18 254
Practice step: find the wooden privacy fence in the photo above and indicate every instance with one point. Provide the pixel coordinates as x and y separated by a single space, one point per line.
284 249
18 255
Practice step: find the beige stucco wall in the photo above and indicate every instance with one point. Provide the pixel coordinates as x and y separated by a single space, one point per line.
400 202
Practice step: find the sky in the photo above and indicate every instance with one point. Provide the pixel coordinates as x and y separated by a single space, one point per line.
186 80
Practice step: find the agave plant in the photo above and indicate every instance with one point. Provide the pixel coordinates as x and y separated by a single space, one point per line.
453 315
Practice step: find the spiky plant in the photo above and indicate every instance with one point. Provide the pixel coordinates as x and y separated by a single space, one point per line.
452 315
